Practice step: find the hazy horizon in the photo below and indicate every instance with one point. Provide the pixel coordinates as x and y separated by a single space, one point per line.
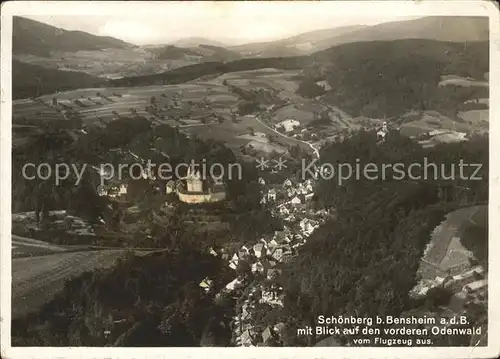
245 22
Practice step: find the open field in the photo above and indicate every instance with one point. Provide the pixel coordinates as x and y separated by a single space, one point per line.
110 63
190 106
203 108
430 121
35 280
283 81
30 109
479 118
295 112
22 246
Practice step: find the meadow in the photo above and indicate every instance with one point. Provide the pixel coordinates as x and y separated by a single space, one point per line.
35 280
203 107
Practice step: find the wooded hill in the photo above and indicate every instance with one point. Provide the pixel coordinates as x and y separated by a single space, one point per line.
36 38
31 80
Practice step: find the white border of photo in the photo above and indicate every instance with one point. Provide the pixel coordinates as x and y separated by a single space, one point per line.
385 9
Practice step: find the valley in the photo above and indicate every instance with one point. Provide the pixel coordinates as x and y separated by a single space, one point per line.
194 261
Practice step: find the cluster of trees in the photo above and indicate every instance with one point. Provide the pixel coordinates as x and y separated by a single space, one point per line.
152 300
364 262
246 107
33 81
310 89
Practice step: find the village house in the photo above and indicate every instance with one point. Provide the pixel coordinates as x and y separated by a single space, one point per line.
170 187
259 250
279 328
301 189
245 312
246 339
271 195
277 254
288 125
272 273
213 252
243 252
257 267
280 236
102 190
117 191
267 335
235 284
234 261
283 210
296 201
459 280
206 284
307 226
267 295
272 244
474 286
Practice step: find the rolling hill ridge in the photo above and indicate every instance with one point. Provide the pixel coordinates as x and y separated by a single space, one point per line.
440 28
36 38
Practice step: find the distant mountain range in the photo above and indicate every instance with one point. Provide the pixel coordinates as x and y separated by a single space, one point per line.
36 38
305 43
318 52
32 37
197 41
441 28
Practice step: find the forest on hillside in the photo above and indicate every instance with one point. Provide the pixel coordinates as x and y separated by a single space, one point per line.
33 81
153 300
390 78
364 262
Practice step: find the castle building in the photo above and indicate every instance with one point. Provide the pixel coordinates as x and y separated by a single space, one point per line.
194 191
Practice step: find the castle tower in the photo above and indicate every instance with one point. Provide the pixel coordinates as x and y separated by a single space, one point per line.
193 180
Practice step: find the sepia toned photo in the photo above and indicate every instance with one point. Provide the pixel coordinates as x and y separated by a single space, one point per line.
256 174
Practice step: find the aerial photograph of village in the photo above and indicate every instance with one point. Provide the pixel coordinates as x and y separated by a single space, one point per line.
194 186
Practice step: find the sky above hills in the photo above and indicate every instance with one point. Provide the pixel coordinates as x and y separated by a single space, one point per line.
229 23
